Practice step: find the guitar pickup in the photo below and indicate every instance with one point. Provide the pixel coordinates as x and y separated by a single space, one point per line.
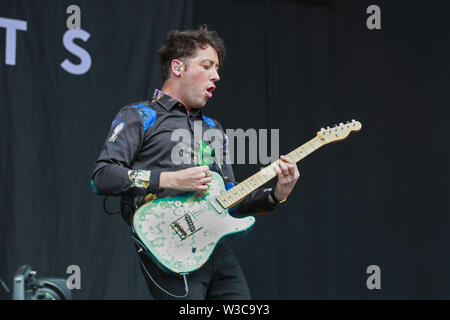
216 206
185 226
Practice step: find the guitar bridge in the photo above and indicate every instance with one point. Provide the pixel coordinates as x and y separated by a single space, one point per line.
185 226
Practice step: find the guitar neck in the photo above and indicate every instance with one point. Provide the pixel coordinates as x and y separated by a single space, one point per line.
243 189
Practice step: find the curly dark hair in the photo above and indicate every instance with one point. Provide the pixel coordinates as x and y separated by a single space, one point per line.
183 45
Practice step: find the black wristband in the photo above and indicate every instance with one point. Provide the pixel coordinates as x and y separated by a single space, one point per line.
272 194
154 182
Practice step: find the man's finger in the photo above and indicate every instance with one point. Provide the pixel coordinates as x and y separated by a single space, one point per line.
284 168
286 159
292 169
205 181
277 169
202 187
203 174
200 169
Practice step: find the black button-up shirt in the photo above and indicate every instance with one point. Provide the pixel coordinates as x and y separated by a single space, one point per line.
141 138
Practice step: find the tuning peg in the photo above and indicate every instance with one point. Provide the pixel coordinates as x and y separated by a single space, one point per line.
341 124
353 121
328 128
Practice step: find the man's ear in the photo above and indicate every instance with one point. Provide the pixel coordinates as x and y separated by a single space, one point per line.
177 67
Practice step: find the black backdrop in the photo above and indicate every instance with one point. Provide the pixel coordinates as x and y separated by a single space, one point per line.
378 198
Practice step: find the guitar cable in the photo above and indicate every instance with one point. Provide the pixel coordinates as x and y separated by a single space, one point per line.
142 251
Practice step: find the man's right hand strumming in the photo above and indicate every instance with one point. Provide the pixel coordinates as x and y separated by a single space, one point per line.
191 179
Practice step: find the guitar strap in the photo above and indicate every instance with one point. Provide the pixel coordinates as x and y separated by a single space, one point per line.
216 166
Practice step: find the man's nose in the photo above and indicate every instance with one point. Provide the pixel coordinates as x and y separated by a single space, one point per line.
215 76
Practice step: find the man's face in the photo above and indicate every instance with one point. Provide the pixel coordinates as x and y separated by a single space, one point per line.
198 77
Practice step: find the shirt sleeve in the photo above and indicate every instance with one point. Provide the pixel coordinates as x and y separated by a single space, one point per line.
111 170
256 202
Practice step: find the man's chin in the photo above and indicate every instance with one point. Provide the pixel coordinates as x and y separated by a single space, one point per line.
200 105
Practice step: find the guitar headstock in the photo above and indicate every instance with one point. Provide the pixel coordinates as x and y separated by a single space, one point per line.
338 132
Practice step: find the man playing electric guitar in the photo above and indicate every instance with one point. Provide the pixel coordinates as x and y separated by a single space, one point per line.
137 160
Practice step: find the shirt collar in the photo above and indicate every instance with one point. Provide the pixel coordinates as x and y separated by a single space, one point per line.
169 102
165 100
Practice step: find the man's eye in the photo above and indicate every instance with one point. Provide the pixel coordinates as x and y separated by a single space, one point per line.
206 67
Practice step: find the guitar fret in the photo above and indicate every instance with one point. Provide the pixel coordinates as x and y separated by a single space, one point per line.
308 147
318 142
258 178
302 151
301 154
247 188
294 156
311 145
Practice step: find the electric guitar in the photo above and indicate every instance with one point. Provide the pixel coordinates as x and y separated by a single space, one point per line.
180 233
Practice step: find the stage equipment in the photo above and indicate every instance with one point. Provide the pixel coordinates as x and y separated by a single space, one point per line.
28 287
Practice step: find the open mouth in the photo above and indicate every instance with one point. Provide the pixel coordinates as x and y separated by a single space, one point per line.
209 91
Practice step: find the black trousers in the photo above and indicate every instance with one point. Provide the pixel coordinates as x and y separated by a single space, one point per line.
220 278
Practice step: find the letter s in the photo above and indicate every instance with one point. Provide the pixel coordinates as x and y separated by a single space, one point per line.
84 56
